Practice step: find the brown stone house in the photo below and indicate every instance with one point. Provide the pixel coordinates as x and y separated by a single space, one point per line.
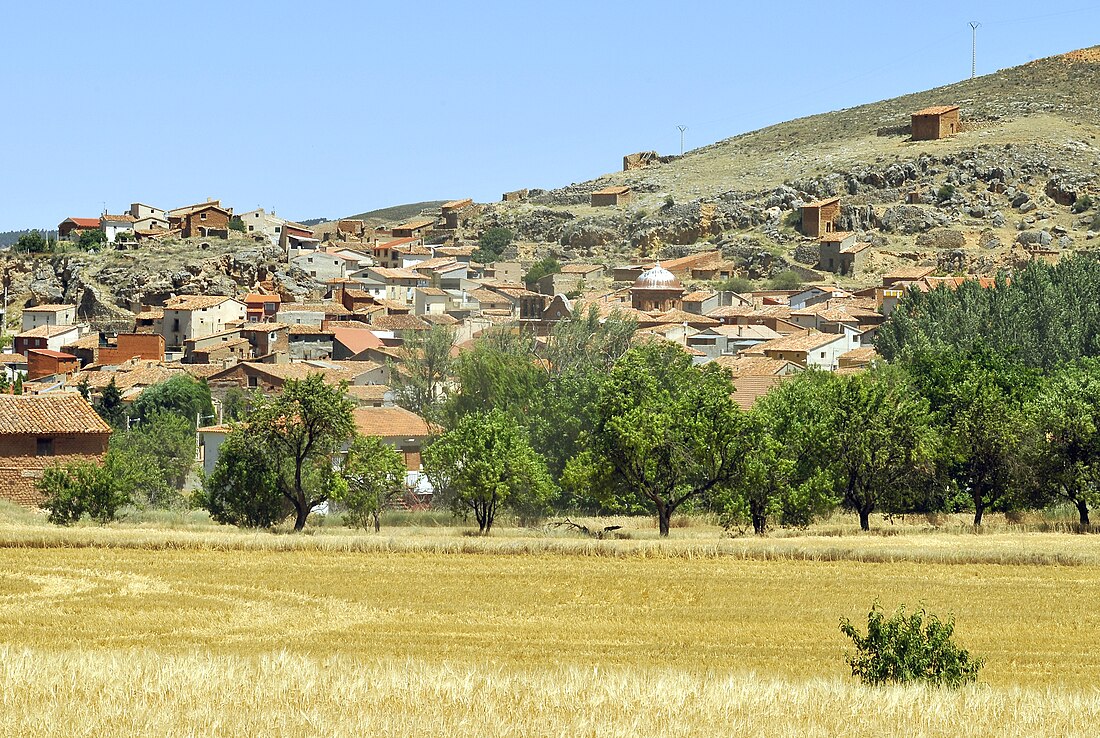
514 196
38 431
935 123
610 196
820 217
204 220
455 211
413 228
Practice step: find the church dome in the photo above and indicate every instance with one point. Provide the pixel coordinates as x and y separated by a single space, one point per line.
657 278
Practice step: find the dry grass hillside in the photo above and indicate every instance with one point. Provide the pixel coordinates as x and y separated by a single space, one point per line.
1029 150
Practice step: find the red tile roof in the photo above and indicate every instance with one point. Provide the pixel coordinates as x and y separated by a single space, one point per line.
57 412
390 422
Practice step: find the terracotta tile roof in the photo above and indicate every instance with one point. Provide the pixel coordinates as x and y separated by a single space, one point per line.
937 110
356 340
56 412
255 298
431 291
456 250
682 316
50 353
398 323
390 422
439 319
134 374
750 388
308 330
753 366
465 203
698 296
386 273
612 190
904 273
150 314
821 203
9 359
835 236
118 218
47 331
859 355
84 222
855 248
800 342
368 392
51 308
761 332
194 302
436 263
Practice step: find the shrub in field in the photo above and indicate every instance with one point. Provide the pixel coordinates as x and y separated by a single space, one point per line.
73 490
374 476
909 648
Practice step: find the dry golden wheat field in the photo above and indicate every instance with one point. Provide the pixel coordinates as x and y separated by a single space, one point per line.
144 630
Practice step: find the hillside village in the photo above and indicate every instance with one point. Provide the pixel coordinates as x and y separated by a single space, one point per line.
270 299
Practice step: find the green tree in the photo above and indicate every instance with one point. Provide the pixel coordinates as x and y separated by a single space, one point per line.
374 476
977 401
84 387
485 463
181 395
91 239
666 433
243 488
500 371
31 242
17 386
763 488
236 224
420 377
5 383
110 406
163 444
492 244
542 267
236 404
81 488
881 442
788 280
908 648
1065 424
301 430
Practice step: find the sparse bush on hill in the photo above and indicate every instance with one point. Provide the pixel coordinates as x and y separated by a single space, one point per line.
1081 204
788 280
908 648
945 193
492 244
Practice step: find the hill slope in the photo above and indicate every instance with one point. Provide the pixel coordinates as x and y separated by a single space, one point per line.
1033 131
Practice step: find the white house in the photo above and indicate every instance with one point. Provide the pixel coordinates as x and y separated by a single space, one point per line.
48 315
322 266
813 349
258 222
114 225
194 316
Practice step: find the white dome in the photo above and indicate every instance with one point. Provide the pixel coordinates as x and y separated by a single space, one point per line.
657 278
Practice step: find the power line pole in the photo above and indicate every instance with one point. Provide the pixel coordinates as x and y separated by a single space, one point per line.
682 129
974 25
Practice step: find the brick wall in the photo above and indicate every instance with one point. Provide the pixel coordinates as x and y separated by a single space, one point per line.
20 468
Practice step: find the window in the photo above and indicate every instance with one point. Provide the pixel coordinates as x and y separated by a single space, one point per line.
44 447
822 354
251 228
253 382
202 216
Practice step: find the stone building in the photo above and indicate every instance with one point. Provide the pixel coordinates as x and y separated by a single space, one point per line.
838 252
656 290
935 123
820 217
610 196
204 220
514 196
38 431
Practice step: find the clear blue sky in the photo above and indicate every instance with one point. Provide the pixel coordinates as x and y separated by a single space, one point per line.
330 108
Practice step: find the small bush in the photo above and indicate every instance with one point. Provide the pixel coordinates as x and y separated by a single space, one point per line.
909 648
670 202
1081 204
788 280
1095 226
945 193
79 489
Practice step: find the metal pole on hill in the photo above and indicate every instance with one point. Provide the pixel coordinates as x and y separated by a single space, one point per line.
974 25
682 129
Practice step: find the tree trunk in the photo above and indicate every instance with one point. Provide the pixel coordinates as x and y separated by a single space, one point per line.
664 515
865 518
302 512
1083 511
979 510
759 520
377 521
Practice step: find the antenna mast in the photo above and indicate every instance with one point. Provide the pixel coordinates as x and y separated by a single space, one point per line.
974 25
682 129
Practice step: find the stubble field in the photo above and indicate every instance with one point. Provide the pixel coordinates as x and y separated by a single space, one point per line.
144 631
